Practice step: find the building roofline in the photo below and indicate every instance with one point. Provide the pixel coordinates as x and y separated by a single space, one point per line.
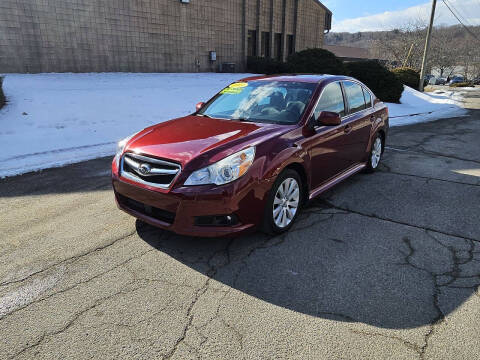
328 23
323 6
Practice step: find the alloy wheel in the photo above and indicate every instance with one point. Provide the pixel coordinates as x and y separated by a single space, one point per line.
376 152
286 202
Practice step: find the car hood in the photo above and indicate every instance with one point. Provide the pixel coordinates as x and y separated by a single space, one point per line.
186 138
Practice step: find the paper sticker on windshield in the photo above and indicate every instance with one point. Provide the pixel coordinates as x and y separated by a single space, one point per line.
238 85
231 91
235 88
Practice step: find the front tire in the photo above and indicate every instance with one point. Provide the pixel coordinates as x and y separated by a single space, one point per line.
375 154
283 203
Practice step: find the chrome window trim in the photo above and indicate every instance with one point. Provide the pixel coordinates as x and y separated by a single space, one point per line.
151 160
318 100
320 96
363 87
346 116
371 97
346 107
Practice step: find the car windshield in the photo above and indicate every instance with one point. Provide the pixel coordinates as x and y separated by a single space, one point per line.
279 102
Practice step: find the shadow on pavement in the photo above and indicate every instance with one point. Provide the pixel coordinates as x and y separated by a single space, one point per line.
93 175
338 265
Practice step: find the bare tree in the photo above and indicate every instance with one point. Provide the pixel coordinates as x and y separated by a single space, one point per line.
403 46
454 50
444 52
468 54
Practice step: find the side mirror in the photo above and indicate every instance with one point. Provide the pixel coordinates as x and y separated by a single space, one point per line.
199 106
329 118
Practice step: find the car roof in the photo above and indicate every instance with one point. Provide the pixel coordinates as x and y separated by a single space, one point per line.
306 78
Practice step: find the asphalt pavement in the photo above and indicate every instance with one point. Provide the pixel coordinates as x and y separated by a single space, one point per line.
383 266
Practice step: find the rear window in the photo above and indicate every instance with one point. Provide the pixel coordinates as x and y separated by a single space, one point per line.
368 98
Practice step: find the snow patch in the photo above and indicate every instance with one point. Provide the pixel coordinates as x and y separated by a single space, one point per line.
416 107
57 119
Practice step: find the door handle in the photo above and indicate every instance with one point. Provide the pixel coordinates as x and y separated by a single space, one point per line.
347 129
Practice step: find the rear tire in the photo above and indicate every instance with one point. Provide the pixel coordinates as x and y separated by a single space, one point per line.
375 155
283 203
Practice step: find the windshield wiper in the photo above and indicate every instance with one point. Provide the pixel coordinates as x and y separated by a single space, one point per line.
205 115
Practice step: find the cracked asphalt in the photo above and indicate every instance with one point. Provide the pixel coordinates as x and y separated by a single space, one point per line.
383 266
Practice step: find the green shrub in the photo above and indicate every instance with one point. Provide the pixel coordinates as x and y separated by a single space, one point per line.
316 61
260 65
462 84
378 78
2 95
408 76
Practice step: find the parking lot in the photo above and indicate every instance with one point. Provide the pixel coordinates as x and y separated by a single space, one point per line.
383 266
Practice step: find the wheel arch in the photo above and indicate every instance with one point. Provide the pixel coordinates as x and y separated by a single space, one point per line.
383 135
300 170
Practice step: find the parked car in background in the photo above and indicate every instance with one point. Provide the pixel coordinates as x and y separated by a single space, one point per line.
251 156
457 80
476 81
427 78
437 81
441 81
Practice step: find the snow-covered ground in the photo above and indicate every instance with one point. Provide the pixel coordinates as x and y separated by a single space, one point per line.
57 119
418 107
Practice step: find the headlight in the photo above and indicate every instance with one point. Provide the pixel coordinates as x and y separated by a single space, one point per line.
224 171
121 147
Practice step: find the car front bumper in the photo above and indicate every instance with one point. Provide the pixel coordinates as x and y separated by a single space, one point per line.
178 209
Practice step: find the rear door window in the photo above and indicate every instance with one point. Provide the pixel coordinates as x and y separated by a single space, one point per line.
355 98
368 98
331 100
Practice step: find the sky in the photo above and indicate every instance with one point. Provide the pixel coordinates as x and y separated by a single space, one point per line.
375 15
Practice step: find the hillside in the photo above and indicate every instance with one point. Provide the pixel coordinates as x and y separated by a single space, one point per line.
453 49
367 39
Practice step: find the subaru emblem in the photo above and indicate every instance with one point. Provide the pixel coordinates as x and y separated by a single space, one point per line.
144 169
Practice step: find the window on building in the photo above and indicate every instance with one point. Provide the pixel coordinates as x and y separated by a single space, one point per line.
328 20
266 44
290 44
252 43
278 46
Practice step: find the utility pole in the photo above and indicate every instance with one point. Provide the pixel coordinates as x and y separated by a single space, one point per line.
427 45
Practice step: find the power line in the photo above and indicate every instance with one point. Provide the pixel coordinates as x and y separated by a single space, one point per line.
460 14
460 21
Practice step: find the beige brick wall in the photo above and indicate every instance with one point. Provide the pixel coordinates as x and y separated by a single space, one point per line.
139 35
290 16
277 16
311 24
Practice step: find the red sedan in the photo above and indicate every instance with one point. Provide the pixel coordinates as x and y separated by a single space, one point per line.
251 156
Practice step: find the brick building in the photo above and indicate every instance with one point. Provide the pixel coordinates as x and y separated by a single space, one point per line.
154 35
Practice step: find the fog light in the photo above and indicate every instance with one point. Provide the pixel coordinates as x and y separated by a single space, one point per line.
217 220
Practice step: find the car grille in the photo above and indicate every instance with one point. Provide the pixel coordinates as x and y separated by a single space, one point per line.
159 214
149 171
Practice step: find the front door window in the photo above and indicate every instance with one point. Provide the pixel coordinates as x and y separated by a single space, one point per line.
331 100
